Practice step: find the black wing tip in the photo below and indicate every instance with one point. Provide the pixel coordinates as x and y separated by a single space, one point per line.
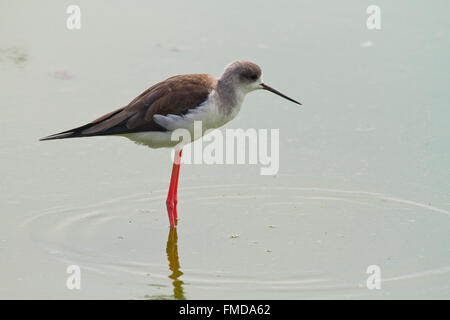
61 135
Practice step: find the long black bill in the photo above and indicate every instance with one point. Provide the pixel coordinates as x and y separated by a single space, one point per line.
266 87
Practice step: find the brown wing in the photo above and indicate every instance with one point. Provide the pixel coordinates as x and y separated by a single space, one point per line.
176 95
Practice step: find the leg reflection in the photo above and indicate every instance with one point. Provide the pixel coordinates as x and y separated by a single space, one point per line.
174 264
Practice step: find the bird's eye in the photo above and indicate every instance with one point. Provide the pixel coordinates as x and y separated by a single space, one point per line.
249 76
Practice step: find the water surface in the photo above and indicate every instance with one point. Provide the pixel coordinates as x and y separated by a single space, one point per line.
364 164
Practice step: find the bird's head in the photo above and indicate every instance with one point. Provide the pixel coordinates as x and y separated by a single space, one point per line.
247 76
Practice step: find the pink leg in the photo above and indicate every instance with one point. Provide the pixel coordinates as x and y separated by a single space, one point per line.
172 200
175 200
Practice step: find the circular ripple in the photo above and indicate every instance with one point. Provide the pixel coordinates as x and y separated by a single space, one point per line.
297 242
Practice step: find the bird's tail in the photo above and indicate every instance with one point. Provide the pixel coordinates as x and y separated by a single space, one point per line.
61 135
84 131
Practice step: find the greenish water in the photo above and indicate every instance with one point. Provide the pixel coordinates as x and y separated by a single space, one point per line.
364 164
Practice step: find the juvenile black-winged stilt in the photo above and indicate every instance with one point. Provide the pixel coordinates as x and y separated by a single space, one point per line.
176 103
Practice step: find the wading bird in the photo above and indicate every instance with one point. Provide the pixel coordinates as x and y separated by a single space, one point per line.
175 103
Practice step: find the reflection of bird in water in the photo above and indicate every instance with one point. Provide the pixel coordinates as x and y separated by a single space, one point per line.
174 264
